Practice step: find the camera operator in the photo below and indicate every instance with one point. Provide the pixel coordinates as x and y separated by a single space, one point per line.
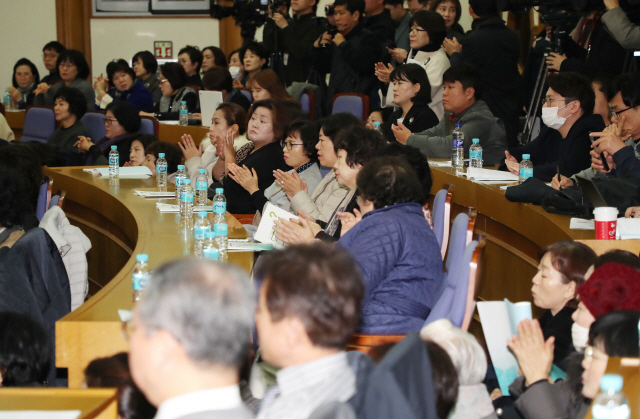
350 54
591 50
272 39
619 26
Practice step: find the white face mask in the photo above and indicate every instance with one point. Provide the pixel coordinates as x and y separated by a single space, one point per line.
550 117
579 336
235 73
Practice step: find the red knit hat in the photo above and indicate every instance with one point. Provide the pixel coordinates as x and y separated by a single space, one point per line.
611 287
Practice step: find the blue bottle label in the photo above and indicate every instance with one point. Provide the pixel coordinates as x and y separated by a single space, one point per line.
211 253
161 168
458 143
221 229
114 160
219 207
526 173
140 281
184 111
479 154
201 186
186 197
179 181
198 232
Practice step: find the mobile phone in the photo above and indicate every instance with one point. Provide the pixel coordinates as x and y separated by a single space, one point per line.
602 157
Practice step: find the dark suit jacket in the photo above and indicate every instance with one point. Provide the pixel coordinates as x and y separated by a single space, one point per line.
419 118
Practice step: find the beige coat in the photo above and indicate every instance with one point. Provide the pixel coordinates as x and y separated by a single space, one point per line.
323 201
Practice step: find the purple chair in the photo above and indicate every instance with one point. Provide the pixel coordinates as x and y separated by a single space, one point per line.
353 103
441 216
39 124
44 195
247 94
308 103
94 122
324 171
149 126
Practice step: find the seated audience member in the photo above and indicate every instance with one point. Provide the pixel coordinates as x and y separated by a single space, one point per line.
299 153
138 150
6 133
267 120
618 140
412 94
380 115
349 55
445 379
415 6
403 275
451 11
121 85
564 142
171 152
218 79
495 50
132 404
69 108
50 53
462 106
235 66
426 36
112 371
24 351
24 82
145 66
253 56
401 18
213 57
470 362
191 60
190 339
121 120
354 147
266 84
74 70
308 308
172 84
14 211
419 164
561 271
613 334
320 203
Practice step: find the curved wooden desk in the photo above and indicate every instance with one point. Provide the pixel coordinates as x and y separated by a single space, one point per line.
119 225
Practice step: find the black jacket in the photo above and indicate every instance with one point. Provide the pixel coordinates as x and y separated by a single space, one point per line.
627 164
351 64
194 80
495 49
382 26
549 150
419 118
559 326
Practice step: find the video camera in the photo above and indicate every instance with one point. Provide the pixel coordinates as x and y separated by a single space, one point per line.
248 14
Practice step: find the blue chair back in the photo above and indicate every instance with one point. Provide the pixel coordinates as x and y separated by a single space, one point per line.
54 201
41 206
457 241
146 127
437 214
94 122
247 94
323 171
39 124
352 104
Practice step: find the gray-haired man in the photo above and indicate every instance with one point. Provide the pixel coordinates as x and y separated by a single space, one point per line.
189 337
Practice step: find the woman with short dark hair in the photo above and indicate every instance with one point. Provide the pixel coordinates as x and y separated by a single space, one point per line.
73 70
25 351
70 106
254 57
145 66
213 57
24 82
173 80
394 246
121 85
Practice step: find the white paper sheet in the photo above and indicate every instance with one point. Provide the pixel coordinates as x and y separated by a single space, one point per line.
488 174
39 414
154 194
134 172
440 163
628 228
582 224
265 233
175 208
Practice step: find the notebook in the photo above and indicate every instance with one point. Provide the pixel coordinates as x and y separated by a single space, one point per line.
209 101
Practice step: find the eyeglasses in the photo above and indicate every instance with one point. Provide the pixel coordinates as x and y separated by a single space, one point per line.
163 81
616 114
109 121
549 101
66 65
416 30
289 145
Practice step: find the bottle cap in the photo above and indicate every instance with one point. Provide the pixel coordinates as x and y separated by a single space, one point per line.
202 213
187 181
160 154
376 124
114 147
142 257
210 234
202 171
476 140
526 156
610 382
458 125
181 167
219 190
184 102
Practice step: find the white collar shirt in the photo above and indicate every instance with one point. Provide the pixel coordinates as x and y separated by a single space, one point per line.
223 398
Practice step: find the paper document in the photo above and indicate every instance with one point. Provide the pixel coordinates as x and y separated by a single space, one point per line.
440 163
40 414
176 208
154 194
265 233
499 322
582 224
487 174
628 229
134 172
249 246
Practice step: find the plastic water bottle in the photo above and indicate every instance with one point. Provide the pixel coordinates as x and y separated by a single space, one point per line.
200 228
610 403
526 168
6 100
210 250
475 154
179 179
140 275
220 225
161 171
201 187
377 128
114 163
186 199
184 113
457 149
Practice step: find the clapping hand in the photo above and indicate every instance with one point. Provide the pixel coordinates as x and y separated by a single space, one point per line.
296 230
401 133
290 183
535 356
83 144
188 147
382 72
41 89
512 163
349 220
451 46
246 178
